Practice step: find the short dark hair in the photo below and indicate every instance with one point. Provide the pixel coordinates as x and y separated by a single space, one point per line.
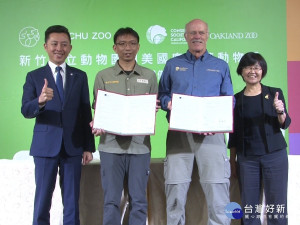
250 59
124 31
56 29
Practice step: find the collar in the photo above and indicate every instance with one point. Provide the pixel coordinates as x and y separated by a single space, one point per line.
265 96
264 89
191 57
53 66
136 70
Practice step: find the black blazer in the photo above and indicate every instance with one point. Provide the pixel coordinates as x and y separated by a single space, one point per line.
272 133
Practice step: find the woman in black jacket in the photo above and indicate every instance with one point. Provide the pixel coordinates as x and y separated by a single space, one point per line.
257 147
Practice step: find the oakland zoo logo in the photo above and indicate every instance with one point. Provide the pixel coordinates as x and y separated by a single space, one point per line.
29 36
233 210
156 34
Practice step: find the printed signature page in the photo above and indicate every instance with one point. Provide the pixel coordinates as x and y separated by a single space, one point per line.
201 114
125 115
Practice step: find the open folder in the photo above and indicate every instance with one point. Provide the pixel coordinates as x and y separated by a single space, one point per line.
125 115
201 114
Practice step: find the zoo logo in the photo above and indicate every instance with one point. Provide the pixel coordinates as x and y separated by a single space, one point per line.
156 34
29 37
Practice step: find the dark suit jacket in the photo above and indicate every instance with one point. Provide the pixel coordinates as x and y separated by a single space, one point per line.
56 122
272 135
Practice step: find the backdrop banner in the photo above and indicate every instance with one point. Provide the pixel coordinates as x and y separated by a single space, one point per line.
235 27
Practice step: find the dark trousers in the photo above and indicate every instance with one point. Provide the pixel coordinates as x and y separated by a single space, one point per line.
114 169
271 172
46 169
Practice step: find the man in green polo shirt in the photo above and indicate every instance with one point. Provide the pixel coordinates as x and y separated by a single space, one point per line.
125 156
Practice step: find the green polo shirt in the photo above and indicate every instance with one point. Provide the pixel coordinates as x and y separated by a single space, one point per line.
140 81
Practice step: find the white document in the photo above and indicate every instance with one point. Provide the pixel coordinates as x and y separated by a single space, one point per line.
201 114
125 115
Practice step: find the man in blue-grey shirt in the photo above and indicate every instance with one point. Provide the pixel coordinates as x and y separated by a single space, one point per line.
196 73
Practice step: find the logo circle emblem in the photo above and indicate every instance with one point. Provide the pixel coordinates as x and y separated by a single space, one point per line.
233 210
156 34
29 37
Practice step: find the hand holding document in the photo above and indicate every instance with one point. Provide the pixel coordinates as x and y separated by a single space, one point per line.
125 115
201 114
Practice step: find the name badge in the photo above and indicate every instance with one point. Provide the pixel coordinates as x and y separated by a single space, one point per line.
144 81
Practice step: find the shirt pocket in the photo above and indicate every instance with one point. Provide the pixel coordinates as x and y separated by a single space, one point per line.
141 88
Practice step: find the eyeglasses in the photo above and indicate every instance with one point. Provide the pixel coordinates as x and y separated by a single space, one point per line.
250 68
125 44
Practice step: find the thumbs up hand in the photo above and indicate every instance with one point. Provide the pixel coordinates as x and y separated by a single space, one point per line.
278 104
46 94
